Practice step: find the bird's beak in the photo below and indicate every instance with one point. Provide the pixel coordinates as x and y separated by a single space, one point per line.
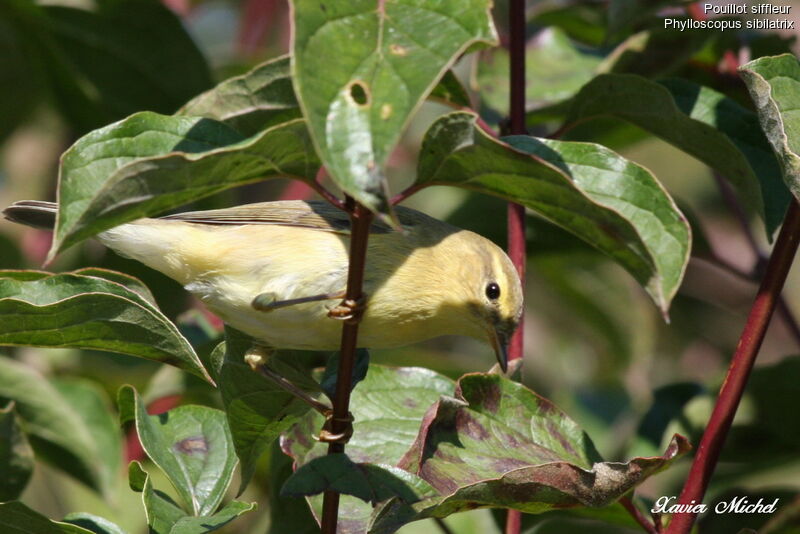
500 344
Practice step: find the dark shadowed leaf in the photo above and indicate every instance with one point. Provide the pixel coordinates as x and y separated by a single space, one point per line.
59 432
369 482
287 514
257 409
16 455
387 406
192 446
606 200
499 444
16 518
450 91
555 67
329 377
21 70
699 121
118 58
654 53
389 56
166 517
150 163
87 312
774 85
93 523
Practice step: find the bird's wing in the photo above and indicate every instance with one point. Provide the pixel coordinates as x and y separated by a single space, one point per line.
305 214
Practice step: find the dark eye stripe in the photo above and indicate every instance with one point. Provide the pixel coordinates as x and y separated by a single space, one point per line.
492 291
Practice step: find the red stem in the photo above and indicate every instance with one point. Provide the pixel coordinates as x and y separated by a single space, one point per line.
640 518
360 219
730 394
516 212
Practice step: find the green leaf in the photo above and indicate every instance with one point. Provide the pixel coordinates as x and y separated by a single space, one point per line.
252 102
118 58
150 163
87 312
93 523
331 374
92 405
166 517
16 455
258 410
191 445
773 83
60 434
389 56
699 121
387 406
554 67
16 518
369 482
499 444
264 97
606 200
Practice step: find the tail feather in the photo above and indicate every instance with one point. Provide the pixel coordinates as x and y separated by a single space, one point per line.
36 213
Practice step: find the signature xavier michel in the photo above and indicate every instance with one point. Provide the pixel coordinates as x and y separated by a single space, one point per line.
737 505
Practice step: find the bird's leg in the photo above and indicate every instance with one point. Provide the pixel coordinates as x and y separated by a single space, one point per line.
327 436
257 357
349 311
267 302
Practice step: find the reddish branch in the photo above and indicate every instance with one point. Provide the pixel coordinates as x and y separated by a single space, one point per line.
730 394
360 219
516 212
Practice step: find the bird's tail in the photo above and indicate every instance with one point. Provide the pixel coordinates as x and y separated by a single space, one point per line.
36 213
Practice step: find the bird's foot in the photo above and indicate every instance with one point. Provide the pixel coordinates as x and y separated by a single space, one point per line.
258 356
350 311
345 424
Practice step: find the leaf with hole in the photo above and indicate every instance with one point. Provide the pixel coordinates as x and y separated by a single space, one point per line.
264 97
609 202
191 445
149 163
77 311
388 57
773 83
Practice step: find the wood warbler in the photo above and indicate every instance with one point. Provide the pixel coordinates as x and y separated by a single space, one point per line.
274 269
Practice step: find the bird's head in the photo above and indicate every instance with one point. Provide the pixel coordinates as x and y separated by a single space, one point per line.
493 292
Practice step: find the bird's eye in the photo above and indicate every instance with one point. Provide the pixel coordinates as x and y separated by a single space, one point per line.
492 291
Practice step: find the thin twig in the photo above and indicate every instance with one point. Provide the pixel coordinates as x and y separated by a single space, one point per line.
640 518
730 394
360 219
442 525
317 186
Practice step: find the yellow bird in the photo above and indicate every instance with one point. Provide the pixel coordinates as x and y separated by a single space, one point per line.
275 270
